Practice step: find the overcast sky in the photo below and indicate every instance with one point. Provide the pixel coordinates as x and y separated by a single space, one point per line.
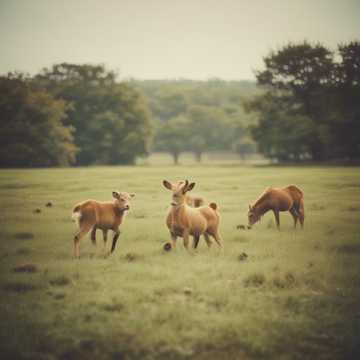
153 39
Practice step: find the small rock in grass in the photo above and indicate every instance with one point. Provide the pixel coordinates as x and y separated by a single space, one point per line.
30 268
167 246
37 211
241 227
243 256
188 291
49 204
249 227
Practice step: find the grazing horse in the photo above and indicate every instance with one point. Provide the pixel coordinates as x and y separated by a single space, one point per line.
289 198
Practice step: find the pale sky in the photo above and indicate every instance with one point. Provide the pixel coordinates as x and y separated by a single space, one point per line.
156 39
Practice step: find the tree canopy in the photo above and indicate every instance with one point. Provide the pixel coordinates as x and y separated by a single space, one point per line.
111 119
310 109
32 126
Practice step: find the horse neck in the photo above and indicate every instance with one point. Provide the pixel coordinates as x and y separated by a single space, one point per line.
261 207
178 213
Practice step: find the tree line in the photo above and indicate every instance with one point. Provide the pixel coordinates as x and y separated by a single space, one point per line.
305 106
310 106
199 116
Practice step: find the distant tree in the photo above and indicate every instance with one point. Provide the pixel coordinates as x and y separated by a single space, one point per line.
304 72
32 132
282 132
220 102
208 130
173 136
111 119
244 147
347 122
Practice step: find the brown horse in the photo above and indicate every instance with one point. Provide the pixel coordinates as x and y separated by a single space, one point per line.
289 198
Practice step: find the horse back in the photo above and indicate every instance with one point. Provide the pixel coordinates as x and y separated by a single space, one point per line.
295 193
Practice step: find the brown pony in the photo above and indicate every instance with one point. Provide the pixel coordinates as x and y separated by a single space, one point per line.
185 221
289 198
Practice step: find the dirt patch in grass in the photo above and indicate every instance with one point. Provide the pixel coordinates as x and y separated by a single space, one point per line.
19 287
24 236
114 307
353 208
28 267
286 281
132 257
60 281
348 248
255 280
23 251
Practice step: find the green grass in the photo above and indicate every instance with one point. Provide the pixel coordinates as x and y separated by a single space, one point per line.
295 296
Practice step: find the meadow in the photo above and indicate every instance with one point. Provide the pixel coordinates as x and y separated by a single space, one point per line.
295 296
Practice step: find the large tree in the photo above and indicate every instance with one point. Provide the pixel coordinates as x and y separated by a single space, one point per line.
111 119
310 107
32 130
347 124
305 72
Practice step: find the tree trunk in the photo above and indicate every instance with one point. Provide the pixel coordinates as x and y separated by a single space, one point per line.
176 158
198 155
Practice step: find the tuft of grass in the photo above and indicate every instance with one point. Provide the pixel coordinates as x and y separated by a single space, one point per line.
255 280
19 287
61 280
286 281
114 307
23 251
24 236
131 257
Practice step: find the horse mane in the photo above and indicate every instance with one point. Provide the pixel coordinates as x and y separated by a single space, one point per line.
262 197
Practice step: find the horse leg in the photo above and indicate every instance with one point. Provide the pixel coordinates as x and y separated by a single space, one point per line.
93 235
173 240
196 241
219 240
295 215
105 232
301 213
84 229
115 239
277 218
208 240
187 239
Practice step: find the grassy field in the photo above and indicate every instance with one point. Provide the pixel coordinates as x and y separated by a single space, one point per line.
296 296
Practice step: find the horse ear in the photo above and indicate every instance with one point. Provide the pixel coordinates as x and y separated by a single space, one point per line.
167 184
190 186
185 187
115 194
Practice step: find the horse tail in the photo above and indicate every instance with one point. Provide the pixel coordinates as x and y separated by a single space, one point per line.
296 190
213 206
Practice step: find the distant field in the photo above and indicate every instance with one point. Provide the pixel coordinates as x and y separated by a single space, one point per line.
296 296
